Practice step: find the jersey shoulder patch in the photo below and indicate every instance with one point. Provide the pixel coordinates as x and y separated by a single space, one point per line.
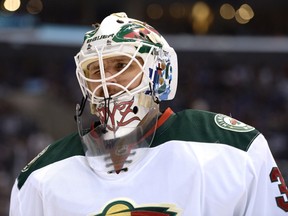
64 148
208 127
228 123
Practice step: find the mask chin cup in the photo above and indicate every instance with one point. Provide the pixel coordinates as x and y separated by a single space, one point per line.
117 154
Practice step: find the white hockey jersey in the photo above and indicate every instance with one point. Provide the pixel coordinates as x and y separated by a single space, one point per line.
199 164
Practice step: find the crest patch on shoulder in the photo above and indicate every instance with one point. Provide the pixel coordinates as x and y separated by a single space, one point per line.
229 123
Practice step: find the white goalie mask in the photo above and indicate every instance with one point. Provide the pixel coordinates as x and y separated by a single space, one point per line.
124 68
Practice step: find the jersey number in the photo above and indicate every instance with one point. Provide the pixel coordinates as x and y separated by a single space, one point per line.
274 176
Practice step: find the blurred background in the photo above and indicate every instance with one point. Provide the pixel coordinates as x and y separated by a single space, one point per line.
232 59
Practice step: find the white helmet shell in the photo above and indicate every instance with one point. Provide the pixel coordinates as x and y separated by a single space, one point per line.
120 35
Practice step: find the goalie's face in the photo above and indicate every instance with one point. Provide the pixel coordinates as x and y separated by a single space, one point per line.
109 76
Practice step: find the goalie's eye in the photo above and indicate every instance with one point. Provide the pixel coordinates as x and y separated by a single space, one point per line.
120 65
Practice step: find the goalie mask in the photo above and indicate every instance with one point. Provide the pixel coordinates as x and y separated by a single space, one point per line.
124 68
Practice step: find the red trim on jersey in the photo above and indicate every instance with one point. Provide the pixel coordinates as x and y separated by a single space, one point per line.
163 118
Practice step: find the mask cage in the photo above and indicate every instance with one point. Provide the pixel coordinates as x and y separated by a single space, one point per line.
131 50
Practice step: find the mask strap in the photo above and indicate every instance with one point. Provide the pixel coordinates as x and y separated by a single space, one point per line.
78 113
80 108
155 98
